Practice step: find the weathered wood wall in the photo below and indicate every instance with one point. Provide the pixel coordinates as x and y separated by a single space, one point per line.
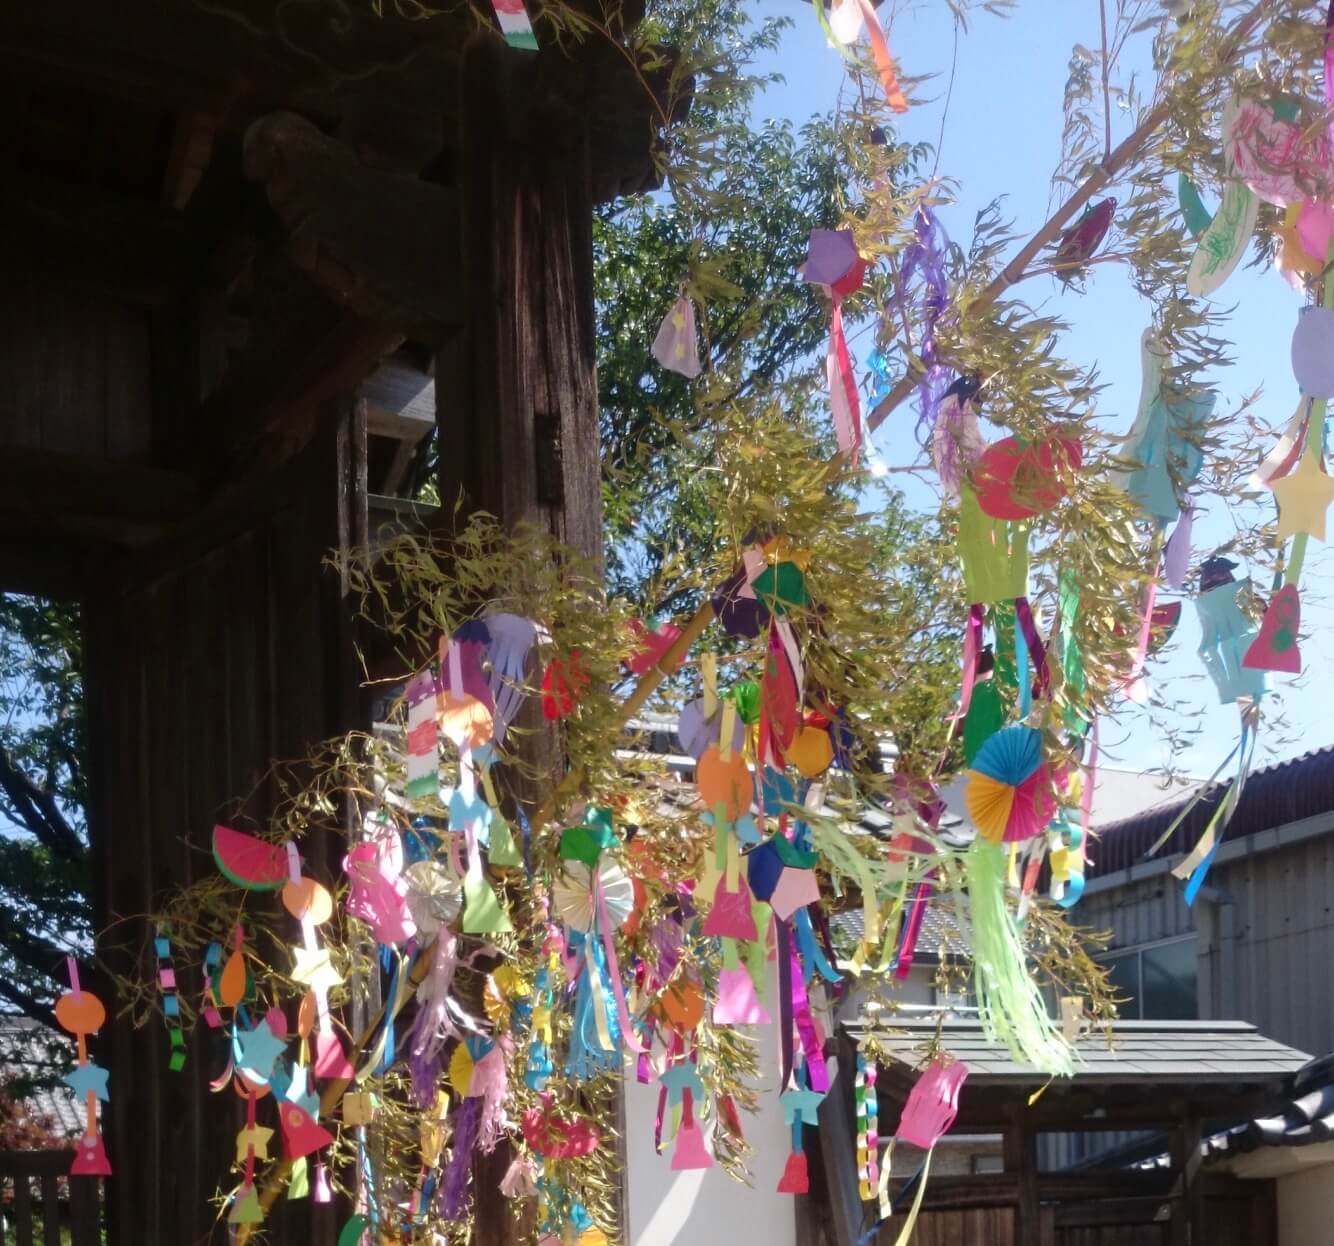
223 653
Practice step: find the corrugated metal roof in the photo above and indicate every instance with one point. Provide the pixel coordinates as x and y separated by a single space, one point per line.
1182 1052
32 1057
1302 787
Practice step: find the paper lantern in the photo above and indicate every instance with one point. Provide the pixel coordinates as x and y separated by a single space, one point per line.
1017 480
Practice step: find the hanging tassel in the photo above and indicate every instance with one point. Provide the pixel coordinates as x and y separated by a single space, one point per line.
453 1200
1009 1000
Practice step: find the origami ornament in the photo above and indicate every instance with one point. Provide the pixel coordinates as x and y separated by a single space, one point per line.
1275 648
423 742
249 862
1017 480
516 28
833 261
1083 238
1304 497
1193 211
736 1002
1281 159
1224 241
1007 795
171 1004
1225 635
1313 352
675 346
1164 441
811 750
563 683
994 553
82 1013
739 611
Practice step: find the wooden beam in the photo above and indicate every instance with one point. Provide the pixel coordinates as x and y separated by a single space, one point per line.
1020 1152
42 484
137 250
381 243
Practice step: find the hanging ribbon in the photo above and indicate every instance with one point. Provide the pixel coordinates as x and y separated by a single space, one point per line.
1037 652
927 252
972 650
607 931
884 62
805 1023
912 929
844 401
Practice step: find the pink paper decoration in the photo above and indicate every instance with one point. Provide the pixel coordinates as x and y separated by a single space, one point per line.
675 347
90 1158
302 1134
932 1104
1275 648
330 1058
376 892
732 916
1313 352
796 1178
690 1153
795 888
1315 228
737 1003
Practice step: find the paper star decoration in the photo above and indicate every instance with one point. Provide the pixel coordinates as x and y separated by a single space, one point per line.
86 1078
256 1051
1303 498
803 1105
314 968
254 1136
679 1078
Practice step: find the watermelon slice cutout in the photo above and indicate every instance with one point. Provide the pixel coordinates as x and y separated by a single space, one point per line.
249 862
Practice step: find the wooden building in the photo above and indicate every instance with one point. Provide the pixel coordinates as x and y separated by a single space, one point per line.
242 241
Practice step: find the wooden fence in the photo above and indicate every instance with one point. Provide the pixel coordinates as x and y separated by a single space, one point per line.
41 1205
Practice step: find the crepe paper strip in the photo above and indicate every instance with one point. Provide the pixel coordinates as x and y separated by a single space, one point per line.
1015 479
518 32
994 553
1177 552
1194 867
912 928
1193 211
884 62
1083 238
1133 684
1224 242
844 399
1009 998
1275 648
1313 352
778 702
927 253
249 862
676 345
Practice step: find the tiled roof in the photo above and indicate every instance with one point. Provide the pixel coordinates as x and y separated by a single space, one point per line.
32 1058
1308 1118
939 934
1302 787
1180 1051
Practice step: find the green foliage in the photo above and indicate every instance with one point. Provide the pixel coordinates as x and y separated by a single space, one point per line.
44 908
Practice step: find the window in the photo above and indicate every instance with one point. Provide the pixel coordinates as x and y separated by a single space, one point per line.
1157 981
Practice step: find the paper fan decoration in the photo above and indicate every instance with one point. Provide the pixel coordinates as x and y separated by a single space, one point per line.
1006 795
572 898
435 896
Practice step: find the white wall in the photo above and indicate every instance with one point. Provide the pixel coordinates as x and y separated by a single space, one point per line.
667 1207
1306 1206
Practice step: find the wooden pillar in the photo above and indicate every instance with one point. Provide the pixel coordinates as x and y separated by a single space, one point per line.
1020 1157
516 388
1187 1205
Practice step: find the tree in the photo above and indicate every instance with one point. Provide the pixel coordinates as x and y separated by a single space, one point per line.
44 908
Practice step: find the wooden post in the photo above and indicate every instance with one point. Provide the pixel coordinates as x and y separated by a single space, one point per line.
1187 1205
516 387
1019 1149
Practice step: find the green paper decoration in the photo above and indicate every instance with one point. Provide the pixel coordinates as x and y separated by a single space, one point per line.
353 1231
994 552
245 1207
298 1186
746 697
501 847
585 843
782 587
482 913
985 717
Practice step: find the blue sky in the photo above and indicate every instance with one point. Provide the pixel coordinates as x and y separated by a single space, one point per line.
1002 136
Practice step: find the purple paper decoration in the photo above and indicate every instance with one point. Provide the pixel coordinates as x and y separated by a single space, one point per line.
1313 352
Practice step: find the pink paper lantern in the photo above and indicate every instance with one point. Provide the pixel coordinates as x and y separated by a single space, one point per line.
932 1104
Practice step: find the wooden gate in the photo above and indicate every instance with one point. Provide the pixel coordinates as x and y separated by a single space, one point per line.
41 1205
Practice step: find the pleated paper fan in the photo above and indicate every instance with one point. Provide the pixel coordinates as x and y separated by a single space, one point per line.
1011 755
989 802
572 894
1006 795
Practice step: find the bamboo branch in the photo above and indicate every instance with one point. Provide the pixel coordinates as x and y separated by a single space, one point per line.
1124 152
